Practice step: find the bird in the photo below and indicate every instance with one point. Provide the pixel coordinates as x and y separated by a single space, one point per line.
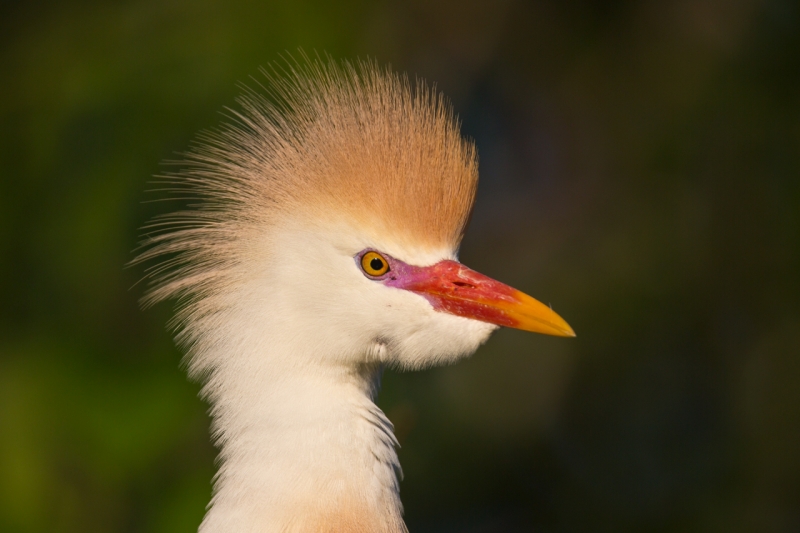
319 246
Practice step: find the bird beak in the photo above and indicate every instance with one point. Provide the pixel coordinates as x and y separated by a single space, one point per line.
453 288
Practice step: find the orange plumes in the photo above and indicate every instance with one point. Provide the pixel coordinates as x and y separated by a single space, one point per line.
349 143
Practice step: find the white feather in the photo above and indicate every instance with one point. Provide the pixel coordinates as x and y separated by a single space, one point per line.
296 356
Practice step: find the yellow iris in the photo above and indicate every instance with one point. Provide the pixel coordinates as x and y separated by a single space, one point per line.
374 264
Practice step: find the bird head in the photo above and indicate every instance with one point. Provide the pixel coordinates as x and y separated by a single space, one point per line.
330 211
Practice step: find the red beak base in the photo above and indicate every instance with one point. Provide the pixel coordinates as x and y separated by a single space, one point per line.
453 288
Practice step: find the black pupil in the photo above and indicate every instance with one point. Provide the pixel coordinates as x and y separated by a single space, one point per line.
376 264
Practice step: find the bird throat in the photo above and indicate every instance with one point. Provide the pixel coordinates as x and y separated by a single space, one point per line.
303 452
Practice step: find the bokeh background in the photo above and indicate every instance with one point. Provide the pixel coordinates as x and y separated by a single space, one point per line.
640 171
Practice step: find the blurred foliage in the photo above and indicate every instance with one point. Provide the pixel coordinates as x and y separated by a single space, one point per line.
640 169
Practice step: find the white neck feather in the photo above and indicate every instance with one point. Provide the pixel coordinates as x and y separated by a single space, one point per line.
302 450
292 346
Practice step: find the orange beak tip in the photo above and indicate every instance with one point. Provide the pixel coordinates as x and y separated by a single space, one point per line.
532 315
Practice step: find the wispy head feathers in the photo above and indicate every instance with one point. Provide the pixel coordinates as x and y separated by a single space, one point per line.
353 143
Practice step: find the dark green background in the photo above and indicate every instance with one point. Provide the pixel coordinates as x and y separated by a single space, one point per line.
639 166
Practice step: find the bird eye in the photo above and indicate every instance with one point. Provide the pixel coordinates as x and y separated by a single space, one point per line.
374 264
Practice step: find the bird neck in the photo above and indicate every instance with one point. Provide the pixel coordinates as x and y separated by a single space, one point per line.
302 450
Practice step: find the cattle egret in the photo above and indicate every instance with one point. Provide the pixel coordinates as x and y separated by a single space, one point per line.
321 248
